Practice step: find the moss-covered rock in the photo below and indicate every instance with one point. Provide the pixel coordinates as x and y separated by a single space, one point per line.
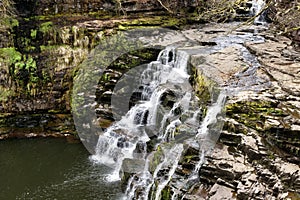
268 118
205 88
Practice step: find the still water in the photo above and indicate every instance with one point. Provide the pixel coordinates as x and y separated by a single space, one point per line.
51 169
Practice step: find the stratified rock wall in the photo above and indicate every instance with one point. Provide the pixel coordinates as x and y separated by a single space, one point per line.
257 155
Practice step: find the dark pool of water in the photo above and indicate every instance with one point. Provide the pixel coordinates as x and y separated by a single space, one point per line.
51 169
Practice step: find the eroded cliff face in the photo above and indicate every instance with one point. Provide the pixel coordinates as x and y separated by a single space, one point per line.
47 40
44 43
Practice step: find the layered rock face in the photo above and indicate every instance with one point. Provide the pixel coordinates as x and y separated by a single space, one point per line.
49 39
257 155
44 44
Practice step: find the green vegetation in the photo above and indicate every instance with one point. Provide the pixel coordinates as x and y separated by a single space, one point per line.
166 193
25 74
162 21
46 27
8 22
157 158
33 33
10 55
22 68
204 87
50 48
253 113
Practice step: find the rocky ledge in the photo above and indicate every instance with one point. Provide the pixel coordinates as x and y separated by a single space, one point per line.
257 154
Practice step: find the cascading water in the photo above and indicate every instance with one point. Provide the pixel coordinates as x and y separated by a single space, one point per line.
166 119
120 140
155 131
155 182
210 129
257 10
167 102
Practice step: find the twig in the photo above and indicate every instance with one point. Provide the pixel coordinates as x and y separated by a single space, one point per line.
165 7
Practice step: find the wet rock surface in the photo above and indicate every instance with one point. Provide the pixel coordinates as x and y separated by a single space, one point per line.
257 155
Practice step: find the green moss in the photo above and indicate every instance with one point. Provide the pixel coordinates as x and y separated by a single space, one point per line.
103 14
165 193
50 47
54 111
253 113
30 48
205 88
23 70
9 22
27 43
106 77
14 22
189 158
46 27
156 159
33 33
11 55
161 21
174 22
122 28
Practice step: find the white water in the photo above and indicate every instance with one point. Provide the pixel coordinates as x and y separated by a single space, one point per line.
165 76
171 160
257 8
119 141
146 181
211 118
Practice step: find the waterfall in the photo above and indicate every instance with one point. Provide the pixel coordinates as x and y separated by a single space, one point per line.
257 10
167 106
210 130
120 140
